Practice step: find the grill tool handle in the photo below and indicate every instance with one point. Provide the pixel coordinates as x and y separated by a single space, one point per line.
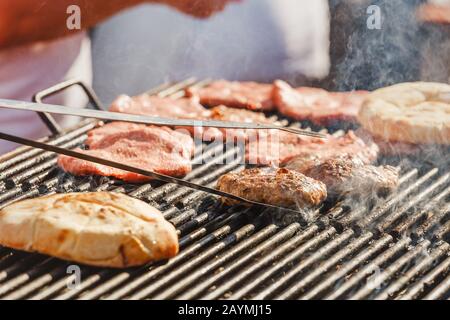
47 118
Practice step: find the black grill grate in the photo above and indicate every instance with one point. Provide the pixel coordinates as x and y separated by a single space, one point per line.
395 249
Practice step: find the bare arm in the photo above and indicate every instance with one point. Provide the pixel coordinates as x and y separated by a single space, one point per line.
434 13
26 21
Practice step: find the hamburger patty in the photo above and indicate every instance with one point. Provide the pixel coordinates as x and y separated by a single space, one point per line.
245 95
157 149
348 174
281 187
317 105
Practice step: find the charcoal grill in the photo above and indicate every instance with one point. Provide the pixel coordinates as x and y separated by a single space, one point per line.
394 248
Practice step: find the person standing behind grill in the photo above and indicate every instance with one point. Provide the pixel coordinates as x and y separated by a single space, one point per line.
38 49
259 40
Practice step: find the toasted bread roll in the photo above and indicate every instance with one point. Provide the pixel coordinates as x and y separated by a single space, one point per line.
99 228
416 113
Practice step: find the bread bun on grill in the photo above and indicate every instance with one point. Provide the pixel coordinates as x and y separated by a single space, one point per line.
99 228
417 113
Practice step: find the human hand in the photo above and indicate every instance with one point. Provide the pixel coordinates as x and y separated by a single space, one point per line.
199 8
434 13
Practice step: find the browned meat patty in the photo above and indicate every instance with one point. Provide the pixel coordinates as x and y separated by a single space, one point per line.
317 105
280 187
158 149
245 95
278 148
348 174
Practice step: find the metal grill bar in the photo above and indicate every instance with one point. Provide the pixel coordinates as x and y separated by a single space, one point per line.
276 254
237 250
344 218
229 268
387 273
441 291
333 279
322 252
416 291
34 285
358 277
350 249
43 265
381 210
443 232
430 224
417 217
388 222
157 285
416 270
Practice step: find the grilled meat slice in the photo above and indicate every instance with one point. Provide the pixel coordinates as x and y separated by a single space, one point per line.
317 105
280 187
278 148
272 147
224 113
183 108
190 108
348 174
96 136
245 95
158 149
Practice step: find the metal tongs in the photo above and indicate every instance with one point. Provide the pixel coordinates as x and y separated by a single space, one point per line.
147 173
115 116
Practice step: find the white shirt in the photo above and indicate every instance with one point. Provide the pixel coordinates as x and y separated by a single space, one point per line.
257 40
28 69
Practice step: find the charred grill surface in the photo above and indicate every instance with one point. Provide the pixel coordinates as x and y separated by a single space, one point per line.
386 248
